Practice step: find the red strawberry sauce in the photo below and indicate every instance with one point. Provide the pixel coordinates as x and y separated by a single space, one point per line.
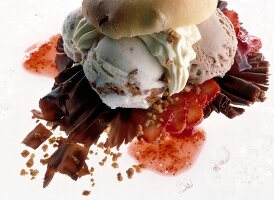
41 58
170 154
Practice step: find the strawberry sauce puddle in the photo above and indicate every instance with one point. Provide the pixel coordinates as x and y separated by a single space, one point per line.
169 155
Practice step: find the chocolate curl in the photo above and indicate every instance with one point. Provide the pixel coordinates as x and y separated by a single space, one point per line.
62 61
76 108
223 105
236 99
68 159
241 88
122 129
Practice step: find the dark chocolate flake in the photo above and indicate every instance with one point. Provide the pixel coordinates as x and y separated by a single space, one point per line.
37 136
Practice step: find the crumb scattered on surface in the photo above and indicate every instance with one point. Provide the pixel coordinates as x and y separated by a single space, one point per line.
130 173
46 155
45 147
119 177
52 140
115 165
34 172
23 172
100 145
107 151
86 193
116 156
25 153
30 162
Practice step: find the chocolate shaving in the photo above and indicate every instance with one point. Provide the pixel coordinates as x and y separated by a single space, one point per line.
241 88
122 129
62 61
37 136
69 159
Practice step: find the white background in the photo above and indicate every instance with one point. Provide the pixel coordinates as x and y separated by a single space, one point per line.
241 151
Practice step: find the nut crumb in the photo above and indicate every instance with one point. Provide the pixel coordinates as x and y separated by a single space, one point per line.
23 172
100 145
119 177
34 172
86 193
115 165
25 153
46 155
30 162
130 173
45 147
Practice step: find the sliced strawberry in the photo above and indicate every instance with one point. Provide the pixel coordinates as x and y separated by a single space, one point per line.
201 96
234 18
211 89
41 58
195 111
179 110
149 124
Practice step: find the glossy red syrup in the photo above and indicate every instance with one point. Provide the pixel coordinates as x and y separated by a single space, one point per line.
40 58
170 154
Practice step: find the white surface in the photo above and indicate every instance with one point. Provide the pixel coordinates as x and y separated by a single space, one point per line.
237 162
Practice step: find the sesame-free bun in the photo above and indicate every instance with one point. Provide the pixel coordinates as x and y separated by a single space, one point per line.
129 18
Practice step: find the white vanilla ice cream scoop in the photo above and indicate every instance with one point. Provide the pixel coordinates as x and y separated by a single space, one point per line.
124 73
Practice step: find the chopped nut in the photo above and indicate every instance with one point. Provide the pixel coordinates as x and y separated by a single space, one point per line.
119 177
45 147
91 169
137 168
86 193
52 140
30 162
100 145
34 172
91 152
25 153
130 173
107 151
23 172
115 165
93 184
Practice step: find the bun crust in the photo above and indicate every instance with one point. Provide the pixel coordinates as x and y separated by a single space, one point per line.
129 18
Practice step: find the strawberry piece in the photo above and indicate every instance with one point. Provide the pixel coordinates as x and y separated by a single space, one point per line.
234 18
195 112
211 89
41 58
178 114
249 44
179 111
148 123
201 96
